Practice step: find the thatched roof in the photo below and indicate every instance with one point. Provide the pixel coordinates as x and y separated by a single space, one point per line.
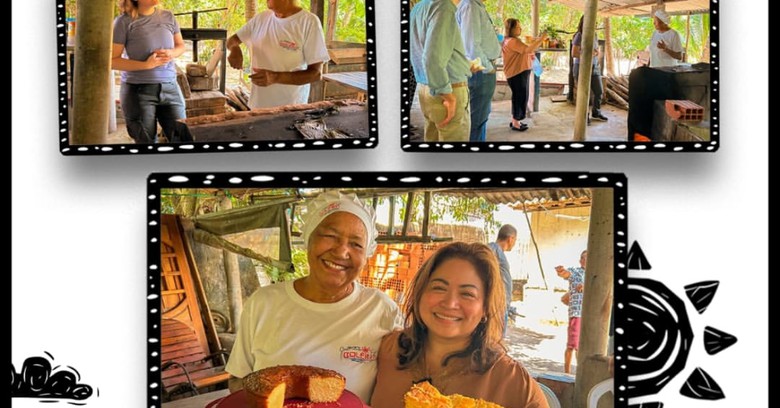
610 8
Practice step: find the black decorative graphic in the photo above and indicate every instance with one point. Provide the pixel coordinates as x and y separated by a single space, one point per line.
636 258
39 380
716 341
701 294
658 331
647 405
701 386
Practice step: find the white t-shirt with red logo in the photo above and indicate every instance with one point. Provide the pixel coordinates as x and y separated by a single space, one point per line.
284 45
280 327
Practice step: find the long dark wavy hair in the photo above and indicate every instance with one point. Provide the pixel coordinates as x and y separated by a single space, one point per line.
486 345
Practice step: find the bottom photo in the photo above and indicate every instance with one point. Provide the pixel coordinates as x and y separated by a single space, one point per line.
386 290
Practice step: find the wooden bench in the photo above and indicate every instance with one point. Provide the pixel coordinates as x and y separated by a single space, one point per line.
186 368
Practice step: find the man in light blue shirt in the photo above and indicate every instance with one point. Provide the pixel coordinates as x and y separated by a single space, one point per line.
441 70
480 41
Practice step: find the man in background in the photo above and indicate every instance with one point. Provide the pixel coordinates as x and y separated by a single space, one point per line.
441 70
573 298
505 241
482 50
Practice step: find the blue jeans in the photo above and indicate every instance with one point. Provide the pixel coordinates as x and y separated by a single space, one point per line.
481 89
145 104
596 88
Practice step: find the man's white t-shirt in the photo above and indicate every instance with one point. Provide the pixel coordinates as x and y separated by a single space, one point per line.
283 44
658 57
279 327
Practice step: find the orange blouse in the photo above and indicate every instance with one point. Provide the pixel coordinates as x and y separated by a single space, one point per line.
518 56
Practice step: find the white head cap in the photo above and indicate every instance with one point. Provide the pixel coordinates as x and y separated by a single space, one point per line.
663 16
334 201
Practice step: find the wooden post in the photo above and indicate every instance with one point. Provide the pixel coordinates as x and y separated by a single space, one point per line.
318 8
92 70
586 68
597 297
391 219
232 276
687 36
408 212
535 18
250 9
608 47
427 214
331 23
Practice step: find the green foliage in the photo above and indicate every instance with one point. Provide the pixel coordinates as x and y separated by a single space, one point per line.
300 262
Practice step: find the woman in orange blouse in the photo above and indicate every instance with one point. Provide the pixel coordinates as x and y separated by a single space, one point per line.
518 59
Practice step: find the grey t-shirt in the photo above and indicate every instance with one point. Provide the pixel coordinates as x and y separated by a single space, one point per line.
142 36
577 40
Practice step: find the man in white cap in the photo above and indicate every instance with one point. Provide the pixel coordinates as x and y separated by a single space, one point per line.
327 318
665 45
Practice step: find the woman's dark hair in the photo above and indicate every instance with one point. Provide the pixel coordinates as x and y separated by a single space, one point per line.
509 25
485 346
579 26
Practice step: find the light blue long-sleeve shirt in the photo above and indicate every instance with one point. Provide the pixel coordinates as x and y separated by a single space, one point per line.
437 53
479 35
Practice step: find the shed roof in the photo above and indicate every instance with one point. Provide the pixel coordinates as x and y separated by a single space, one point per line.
616 8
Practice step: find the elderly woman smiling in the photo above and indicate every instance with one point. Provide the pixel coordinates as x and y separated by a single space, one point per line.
455 313
326 319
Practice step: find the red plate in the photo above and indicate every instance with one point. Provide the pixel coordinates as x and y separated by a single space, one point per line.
238 400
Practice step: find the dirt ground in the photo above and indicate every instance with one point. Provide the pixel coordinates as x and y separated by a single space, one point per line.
553 122
538 338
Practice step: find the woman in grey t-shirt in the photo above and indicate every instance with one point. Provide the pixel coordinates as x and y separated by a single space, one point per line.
146 41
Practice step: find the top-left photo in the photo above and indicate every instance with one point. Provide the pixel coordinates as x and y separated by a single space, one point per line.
177 76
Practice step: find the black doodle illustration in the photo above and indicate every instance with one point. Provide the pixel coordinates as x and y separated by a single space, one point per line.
647 405
701 294
716 341
636 258
700 385
659 331
39 380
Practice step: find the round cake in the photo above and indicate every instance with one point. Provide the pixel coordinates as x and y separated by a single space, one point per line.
269 387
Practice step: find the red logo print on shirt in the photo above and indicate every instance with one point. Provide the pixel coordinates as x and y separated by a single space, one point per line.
289 45
358 354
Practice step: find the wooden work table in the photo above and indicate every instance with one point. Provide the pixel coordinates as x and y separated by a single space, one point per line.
275 124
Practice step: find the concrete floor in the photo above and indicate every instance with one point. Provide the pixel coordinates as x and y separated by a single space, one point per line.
553 123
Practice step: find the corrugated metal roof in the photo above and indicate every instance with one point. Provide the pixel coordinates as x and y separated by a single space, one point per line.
532 197
609 8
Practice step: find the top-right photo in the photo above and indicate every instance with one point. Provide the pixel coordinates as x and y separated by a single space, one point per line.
559 75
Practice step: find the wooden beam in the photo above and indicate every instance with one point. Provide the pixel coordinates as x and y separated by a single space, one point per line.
597 296
391 219
535 18
330 32
427 214
318 8
636 5
409 209
610 58
92 72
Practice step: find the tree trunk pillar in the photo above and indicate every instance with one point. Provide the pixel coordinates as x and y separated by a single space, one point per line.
232 277
583 80
91 72
597 298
